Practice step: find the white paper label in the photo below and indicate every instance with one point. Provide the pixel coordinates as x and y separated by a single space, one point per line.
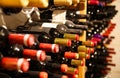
50 25
59 15
59 21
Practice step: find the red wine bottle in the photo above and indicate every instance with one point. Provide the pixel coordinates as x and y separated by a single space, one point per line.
18 51
39 66
9 63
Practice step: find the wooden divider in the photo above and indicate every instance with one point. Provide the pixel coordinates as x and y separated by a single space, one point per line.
83 10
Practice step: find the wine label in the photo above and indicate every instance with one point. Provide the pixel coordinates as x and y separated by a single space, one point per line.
59 15
59 21
25 39
19 64
50 25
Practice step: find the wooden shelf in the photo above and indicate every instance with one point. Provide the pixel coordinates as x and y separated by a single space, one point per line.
83 7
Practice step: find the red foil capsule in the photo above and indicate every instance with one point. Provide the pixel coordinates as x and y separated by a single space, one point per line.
43 75
23 39
93 2
71 55
34 54
49 47
14 64
64 67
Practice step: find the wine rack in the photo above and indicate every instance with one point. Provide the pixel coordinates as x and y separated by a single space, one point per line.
81 6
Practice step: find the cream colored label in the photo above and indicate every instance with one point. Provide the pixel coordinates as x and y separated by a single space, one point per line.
59 15
19 63
59 21
50 25
38 54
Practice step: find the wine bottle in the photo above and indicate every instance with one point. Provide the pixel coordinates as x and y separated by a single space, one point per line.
55 75
52 32
3 39
23 39
69 62
59 26
18 51
17 3
28 74
35 74
14 38
67 23
9 63
38 66
63 15
45 38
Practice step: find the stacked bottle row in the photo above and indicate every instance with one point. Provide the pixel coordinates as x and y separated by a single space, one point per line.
100 62
24 53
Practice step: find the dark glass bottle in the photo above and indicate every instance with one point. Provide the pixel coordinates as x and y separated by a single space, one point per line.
28 74
101 12
55 75
66 14
45 38
59 26
37 27
38 65
10 63
18 51
14 38
3 39
67 23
